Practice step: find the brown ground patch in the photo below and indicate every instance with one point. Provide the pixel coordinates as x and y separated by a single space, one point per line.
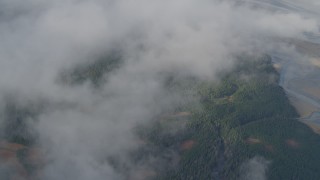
11 146
251 140
293 143
186 145
269 147
142 174
183 114
7 154
9 157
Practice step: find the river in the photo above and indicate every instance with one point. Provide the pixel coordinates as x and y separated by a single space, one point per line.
296 76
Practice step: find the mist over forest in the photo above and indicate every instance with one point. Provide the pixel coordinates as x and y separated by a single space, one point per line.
145 89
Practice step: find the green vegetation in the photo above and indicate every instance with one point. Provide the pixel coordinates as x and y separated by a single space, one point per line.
93 72
17 122
245 115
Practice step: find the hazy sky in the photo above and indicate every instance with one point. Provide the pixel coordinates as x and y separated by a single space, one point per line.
39 39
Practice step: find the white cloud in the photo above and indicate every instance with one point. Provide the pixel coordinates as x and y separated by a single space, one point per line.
39 39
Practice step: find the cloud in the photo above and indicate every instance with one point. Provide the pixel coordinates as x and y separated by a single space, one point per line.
82 126
255 168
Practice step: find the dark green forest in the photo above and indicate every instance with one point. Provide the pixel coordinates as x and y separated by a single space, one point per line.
245 115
